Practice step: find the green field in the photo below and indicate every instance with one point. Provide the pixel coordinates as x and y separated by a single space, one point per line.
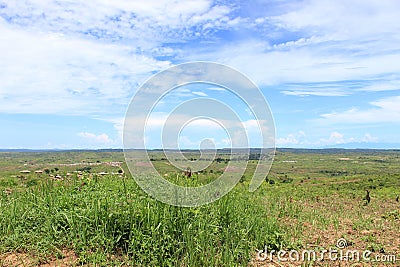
84 208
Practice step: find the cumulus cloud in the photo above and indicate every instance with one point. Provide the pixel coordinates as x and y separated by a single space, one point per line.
292 139
145 22
334 139
241 133
61 49
88 58
369 138
101 139
49 73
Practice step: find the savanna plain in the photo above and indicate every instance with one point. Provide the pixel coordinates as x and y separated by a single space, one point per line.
83 208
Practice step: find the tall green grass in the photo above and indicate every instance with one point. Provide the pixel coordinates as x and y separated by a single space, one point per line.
110 220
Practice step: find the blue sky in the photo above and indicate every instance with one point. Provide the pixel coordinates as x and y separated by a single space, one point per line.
330 70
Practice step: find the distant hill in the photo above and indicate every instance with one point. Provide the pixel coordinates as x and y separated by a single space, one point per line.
349 147
334 150
367 145
61 150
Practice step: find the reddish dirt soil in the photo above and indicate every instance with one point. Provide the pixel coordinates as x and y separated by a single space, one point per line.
16 259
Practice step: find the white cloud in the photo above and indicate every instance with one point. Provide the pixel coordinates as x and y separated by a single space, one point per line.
299 139
199 93
147 22
87 58
315 63
218 89
343 19
101 139
240 133
386 110
319 92
379 86
369 138
58 62
388 82
334 138
48 73
324 41
292 139
118 125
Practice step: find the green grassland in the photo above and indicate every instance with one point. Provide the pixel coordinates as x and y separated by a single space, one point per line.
95 210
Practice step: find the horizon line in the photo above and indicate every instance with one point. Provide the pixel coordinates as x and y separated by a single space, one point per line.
187 149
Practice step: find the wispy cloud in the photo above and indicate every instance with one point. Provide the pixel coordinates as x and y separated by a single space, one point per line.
300 139
321 18
87 58
380 85
317 92
321 42
93 139
386 110
199 93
